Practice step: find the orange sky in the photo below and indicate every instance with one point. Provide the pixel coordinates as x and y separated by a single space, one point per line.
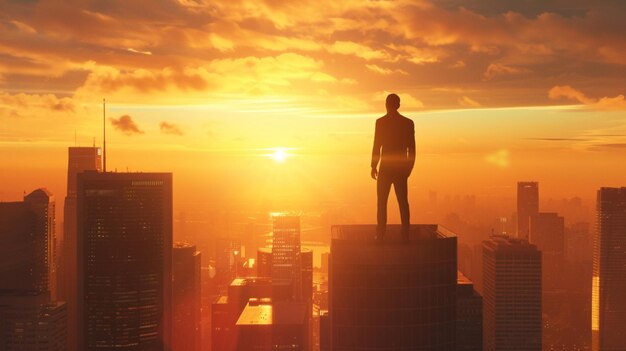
500 91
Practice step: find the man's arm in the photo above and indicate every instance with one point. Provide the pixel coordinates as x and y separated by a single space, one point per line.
411 148
376 151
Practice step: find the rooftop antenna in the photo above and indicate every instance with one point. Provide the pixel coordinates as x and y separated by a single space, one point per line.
104 137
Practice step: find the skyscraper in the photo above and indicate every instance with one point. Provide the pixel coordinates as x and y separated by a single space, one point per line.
547 232
527 206
29 319
608 315
185 297
392 296
286 259
124 260
27 244
511 295
80 159
469 316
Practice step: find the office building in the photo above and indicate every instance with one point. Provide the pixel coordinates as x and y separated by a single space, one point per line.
186 328
286 259
527 206
124 261
266 325
29 319
608 310
469 316
80 159
392 296
547 232
27 244
511 295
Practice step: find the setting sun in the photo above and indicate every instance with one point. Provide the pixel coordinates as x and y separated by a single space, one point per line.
279 155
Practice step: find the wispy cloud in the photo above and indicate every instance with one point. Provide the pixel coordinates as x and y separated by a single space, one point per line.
170 128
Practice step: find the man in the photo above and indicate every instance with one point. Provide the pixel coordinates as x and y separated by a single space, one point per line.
394 146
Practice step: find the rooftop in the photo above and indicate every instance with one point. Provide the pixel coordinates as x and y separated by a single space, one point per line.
366 232
264 311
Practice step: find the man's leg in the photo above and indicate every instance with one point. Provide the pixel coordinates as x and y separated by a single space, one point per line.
401 188
383 186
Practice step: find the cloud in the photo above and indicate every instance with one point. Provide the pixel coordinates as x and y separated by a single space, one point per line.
606 103
499 158
498 69
383 70
566 91
170 128
21 104
126 125
467 102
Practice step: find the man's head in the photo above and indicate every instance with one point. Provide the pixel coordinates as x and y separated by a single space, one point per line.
392 103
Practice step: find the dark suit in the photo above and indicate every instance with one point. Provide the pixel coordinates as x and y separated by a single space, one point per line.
394 146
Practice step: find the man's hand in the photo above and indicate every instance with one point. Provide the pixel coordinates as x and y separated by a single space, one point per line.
374 173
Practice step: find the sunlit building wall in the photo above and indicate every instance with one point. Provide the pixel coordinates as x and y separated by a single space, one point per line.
608 315
286 259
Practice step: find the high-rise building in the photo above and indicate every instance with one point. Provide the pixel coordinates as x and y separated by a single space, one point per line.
124 260
80 159
27 244
469 316
547 232
511 295
608 311
286 259
29 319
186 318
32 323
527 206
264 269
392 296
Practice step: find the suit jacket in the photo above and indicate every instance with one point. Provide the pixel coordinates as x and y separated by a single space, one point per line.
394 145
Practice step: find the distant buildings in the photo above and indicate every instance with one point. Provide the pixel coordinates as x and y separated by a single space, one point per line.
511 295
29 319
392 296
124 260
80 159
608 315
527 206
186 328
547 232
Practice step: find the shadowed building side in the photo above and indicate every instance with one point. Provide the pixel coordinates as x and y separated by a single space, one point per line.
394 295
124 261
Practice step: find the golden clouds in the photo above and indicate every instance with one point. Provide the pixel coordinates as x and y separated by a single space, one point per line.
605 103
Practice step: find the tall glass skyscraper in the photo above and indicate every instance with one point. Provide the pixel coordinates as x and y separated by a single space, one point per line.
286 260
527 206
124 261
511 295
608 310
79 159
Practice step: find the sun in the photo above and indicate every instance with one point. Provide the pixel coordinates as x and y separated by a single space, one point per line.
279 155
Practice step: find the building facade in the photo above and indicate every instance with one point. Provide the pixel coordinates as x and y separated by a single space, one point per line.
511 295
186 328
608 310
392 296
124 261
527 206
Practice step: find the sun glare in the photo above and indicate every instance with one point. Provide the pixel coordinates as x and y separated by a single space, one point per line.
279 155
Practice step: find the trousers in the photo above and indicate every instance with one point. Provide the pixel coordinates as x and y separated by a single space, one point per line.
383 187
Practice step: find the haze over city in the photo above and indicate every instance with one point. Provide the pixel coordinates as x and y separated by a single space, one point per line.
266 109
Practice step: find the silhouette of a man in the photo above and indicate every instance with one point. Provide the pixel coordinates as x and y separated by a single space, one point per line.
394 147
